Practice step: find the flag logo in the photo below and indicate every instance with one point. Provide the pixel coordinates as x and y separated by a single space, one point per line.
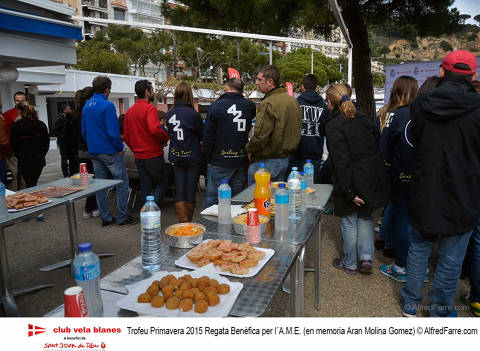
35 330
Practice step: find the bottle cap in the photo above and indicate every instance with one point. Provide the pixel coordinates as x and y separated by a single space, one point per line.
224 181
281 185
309 161
150 198
84 247
294 169
262 164
301 173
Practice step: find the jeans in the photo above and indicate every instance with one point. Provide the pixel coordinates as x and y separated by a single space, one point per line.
357 234
91 202
153 178
387 230
475 266
403 229
300 162
237 179
451 253
114 164
186 180
278 168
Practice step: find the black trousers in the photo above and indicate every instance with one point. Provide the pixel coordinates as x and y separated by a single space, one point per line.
91 202
186 180
30 176
153 177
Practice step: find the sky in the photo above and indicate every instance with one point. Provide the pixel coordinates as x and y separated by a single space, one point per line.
469 7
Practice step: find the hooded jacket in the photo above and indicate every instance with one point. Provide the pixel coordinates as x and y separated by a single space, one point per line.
445 189
314 115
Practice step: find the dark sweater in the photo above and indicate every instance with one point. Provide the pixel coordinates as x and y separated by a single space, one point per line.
30 142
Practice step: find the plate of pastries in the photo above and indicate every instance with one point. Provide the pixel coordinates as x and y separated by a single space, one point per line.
21 201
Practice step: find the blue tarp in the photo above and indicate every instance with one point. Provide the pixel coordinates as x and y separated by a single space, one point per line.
29 25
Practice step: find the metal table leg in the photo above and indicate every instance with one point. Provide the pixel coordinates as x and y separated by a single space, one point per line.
318 256
297 285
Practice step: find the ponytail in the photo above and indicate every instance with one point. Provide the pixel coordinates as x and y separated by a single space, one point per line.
337 94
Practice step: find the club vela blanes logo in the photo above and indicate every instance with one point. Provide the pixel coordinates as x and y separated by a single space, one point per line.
35 330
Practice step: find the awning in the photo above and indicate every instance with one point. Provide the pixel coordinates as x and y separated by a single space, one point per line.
22 22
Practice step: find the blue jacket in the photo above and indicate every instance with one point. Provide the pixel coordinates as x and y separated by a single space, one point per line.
396 147
185 129
100 128
229 119
314 115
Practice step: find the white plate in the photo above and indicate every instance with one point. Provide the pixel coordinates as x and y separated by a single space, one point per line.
129 302
184 262
27 208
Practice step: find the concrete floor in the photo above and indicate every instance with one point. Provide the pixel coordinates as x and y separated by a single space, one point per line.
33 245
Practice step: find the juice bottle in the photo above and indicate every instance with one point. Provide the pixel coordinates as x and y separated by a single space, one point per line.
262 193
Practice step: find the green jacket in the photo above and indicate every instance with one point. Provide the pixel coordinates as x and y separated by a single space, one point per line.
278 126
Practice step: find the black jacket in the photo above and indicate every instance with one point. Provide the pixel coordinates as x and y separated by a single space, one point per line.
314 115
30 142
185 129
229 119
445 190
357 168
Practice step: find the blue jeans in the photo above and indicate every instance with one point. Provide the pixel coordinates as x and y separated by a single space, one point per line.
103 166
451 253
300 162
237 179
357 234
475 266
387 229
278 168
403 229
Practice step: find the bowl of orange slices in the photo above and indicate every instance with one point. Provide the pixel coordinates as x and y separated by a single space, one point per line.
185 235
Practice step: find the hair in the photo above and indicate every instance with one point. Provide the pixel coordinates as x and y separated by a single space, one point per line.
81 97
19 93
235 84
476 86
183 93
349 89
461 66
141 86
162 115
271 72
337 94
27 111
64 106
310 82
100 84
121 122
430 83
404 90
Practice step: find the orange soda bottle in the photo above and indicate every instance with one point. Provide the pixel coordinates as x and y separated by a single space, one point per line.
262 193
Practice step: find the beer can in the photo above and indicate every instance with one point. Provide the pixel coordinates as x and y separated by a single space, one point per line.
83 168
252 217
75 304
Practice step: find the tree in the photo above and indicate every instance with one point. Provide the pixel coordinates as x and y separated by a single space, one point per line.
378 79
464 17
477 18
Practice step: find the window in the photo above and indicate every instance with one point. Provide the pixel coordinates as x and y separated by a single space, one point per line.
102 3
119 14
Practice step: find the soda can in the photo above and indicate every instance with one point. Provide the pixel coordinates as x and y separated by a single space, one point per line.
252 217
75 304
83 168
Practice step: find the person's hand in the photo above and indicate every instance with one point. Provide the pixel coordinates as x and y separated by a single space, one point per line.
357 201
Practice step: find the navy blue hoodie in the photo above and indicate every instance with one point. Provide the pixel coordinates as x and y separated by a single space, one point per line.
396 147
185 129
314 114
229 119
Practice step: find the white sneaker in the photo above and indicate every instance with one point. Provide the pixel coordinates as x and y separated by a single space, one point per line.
86 214
96 213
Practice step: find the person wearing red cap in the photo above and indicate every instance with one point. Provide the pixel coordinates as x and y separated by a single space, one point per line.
444 199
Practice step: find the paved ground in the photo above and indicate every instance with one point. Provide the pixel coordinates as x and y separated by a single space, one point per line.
34 245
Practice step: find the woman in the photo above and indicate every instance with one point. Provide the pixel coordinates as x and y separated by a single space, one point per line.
360 180
30 142
81 97
185 128
396 149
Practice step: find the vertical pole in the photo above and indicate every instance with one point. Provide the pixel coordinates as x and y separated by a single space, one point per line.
350 51
311 64
271 48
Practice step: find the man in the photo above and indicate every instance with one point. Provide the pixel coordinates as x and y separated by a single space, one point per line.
144 135
445 186
11 161
278 127
314 114
59 128
101 132
229 120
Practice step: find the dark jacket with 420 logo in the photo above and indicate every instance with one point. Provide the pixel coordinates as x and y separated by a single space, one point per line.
185 129
229 119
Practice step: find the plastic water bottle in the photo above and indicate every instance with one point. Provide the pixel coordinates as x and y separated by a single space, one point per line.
281 208
151 239
308 173
303 187
3 203
294 192
224 203
86 270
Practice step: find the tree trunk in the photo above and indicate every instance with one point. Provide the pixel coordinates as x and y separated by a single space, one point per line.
238 54
175 59
362 72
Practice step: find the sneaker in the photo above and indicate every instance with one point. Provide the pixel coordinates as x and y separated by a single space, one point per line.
395 272
327 211
376 229
86 214
130 221
41 217
338 264
96 213
409 314
379 222
106 224
365 267
474 306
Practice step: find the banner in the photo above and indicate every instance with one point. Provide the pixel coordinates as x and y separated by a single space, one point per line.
289 87
233 73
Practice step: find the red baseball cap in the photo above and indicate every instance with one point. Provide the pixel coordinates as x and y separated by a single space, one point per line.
460 56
